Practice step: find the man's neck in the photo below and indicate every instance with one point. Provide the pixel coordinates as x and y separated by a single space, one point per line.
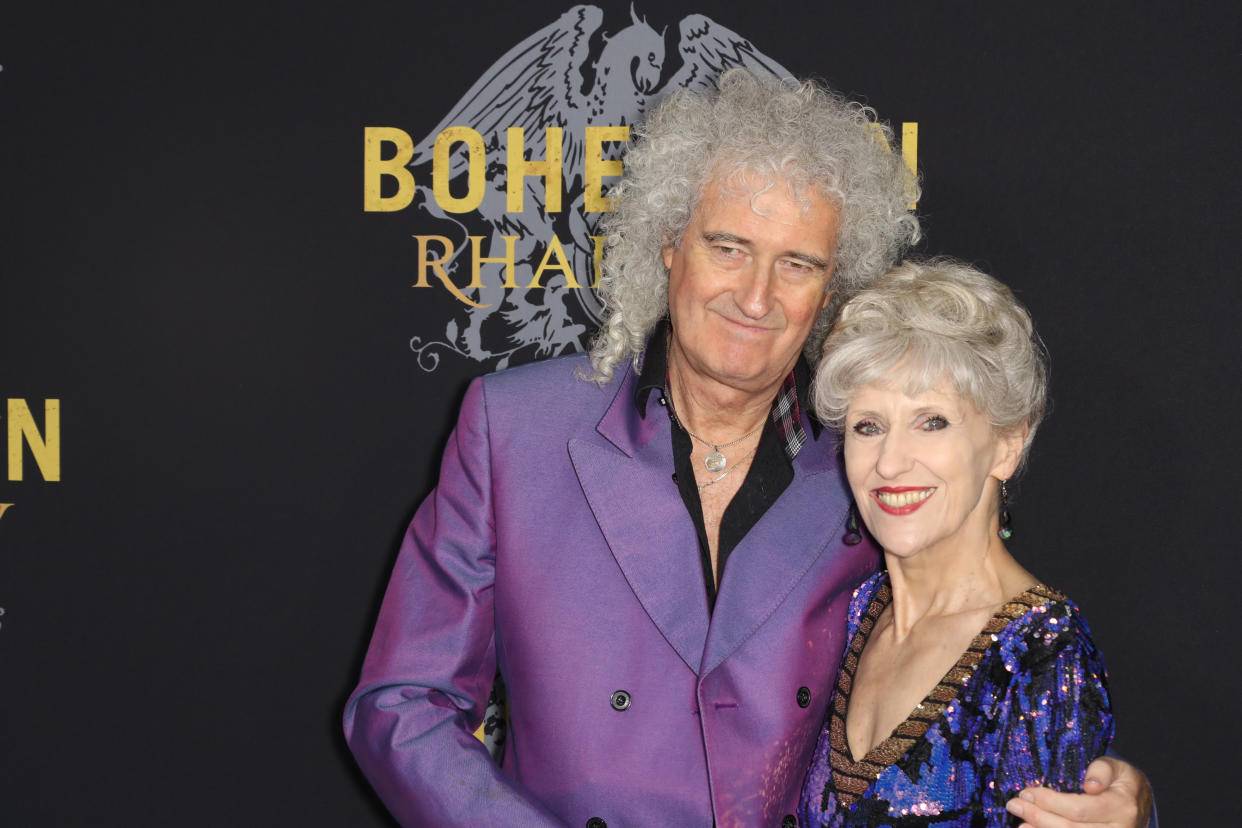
716 411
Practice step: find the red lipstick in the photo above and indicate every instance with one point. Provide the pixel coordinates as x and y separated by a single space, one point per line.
897 505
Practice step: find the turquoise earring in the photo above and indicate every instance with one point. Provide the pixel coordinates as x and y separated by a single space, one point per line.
1006 522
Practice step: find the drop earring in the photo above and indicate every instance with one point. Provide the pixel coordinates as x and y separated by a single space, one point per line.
1006 522
853 537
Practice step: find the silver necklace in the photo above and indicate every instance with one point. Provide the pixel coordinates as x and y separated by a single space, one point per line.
736 465
715 460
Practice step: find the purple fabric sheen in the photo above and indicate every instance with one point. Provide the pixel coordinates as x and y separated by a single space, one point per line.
556 547
1035 711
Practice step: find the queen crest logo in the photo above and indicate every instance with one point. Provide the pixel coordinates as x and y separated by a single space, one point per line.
510 183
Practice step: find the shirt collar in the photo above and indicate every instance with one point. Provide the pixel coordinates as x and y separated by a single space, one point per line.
787 408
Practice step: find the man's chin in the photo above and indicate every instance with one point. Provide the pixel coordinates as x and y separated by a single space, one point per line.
747 378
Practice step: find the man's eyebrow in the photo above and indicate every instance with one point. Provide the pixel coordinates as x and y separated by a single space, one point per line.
812 260
718 236
714 236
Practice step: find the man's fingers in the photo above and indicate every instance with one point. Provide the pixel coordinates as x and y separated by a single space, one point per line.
1033 816
1101 773
1125 785
1046 808
1109 798
1072 807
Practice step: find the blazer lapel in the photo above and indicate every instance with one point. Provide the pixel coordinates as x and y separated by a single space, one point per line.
629 487
804 523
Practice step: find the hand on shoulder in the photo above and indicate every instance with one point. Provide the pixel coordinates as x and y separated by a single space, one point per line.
1115 793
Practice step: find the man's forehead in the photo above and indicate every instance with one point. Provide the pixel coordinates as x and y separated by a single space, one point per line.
717 214
740 183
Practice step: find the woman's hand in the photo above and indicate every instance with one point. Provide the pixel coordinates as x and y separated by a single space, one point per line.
1115 793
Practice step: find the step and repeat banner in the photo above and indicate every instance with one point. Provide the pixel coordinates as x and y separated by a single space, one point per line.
250 257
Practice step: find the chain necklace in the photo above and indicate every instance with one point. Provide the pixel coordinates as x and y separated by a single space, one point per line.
715 461
736 465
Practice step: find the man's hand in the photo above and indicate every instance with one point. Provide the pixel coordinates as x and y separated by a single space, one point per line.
1114 794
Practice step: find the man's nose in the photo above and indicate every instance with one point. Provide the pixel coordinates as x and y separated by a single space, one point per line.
754 295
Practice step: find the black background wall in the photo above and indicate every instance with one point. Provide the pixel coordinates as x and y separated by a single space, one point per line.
186 266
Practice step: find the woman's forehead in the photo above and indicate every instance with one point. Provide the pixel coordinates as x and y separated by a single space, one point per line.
911 390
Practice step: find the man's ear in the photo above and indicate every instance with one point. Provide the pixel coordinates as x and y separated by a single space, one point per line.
668 250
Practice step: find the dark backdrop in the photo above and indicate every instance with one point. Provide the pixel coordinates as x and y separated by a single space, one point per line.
186 266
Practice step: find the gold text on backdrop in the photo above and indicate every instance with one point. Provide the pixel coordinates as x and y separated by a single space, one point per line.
44 446
516 169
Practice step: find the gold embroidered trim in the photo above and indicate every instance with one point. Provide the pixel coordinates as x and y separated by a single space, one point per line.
852 777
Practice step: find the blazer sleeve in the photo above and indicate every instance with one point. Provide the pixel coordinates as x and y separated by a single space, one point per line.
432 657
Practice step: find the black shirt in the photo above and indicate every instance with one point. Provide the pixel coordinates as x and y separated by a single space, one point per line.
770 472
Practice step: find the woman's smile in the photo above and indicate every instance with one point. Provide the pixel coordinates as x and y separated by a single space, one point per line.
902 500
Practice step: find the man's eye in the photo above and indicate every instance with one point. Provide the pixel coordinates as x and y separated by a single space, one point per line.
727 252
935 423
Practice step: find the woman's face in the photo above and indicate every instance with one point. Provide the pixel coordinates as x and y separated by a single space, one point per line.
924 469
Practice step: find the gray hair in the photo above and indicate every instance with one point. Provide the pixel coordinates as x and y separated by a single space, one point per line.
803 134
941 320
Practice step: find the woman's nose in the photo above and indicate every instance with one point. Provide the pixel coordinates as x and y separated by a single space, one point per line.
894 458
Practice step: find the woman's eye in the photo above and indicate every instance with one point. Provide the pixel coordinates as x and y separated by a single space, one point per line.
866 428
935 423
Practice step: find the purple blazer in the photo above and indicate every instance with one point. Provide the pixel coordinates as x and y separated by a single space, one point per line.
556 546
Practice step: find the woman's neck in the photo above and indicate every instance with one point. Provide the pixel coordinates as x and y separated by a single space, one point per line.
950 580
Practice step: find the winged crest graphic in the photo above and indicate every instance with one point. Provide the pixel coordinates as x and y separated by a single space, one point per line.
569 74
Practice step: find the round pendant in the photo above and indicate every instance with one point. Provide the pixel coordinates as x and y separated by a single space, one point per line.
715 462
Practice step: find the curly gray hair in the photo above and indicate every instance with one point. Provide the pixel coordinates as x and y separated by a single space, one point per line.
804 135
941 320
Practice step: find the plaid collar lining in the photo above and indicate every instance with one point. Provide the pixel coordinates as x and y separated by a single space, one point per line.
786 411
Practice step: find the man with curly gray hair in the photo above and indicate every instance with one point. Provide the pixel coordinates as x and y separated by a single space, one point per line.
654 559
753 135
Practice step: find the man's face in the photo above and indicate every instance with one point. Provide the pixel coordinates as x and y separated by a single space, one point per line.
747 283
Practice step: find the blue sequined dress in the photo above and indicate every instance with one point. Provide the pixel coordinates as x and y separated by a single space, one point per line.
1027 703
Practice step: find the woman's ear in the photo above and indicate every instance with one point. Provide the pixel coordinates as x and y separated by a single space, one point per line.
1009 452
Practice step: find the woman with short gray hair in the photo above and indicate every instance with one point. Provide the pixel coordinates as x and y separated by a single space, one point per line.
965 679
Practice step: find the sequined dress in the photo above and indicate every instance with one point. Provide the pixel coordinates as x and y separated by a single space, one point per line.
1026 703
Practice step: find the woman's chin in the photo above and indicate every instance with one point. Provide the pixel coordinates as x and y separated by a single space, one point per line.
903 548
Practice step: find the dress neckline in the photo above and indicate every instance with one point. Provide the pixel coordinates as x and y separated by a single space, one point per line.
852 777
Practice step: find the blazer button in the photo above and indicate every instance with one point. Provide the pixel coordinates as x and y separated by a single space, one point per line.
620 701
596 822
790 821
804 696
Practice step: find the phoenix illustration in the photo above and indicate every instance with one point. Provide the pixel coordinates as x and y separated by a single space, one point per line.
569 74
